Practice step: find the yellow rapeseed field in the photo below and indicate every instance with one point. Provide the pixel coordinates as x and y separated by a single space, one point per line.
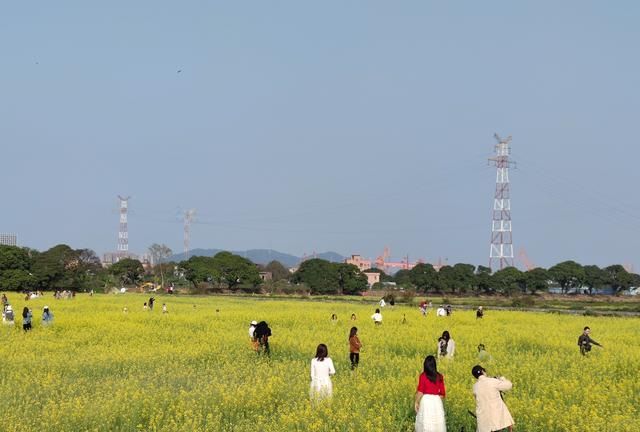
100 369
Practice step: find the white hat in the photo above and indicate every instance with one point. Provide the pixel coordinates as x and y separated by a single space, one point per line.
46 307
254 322
9 307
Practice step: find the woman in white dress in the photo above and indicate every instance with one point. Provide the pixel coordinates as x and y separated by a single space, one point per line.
446 345
321 371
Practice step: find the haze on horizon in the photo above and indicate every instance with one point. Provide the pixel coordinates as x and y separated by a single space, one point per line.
342 126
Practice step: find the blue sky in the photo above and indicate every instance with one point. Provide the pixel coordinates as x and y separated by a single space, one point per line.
314 126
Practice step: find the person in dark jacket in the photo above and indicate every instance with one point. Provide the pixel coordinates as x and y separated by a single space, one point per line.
585 341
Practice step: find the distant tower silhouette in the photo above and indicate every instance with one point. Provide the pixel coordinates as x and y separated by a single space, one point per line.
501 249
123 234
188 218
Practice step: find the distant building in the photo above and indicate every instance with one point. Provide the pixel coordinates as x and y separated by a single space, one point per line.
110 258
358 261
9 239
372 278
266 276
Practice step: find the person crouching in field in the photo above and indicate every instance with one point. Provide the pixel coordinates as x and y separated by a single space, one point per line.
321 371
585 341
428 400
354 347
492 413
377 317
47 316
262 334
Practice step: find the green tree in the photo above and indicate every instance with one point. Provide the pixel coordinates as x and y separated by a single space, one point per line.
15 264
128 270
568 274
235 270
278 271
536 279
402 278
508 280
446 279
619 278
350 279
424 277
464 277
199 269
319 275
55 268
595 277
483 279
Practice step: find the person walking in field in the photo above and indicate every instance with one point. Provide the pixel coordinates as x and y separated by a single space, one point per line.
377 317
151 302
321 370
492 413
164 308
479 312
354 347
428 399
5 302
446 345
26 319
585 341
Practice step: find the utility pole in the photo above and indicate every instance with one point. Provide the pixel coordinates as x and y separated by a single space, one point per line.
188 218
123 234
501 249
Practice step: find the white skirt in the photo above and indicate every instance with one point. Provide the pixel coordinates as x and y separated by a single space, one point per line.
430 417
321 389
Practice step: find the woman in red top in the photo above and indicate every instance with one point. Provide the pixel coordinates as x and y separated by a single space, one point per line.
429 395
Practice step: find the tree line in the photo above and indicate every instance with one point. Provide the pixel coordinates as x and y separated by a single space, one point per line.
62 267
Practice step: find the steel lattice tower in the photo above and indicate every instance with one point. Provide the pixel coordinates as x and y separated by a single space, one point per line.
188 218
123 234
501 249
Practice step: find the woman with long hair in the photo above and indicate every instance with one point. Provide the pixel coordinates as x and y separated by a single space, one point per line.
321 371
446 345
428 400
354 347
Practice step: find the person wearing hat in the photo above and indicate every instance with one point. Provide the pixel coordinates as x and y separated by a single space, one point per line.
252 337
47 316
492 413
8 316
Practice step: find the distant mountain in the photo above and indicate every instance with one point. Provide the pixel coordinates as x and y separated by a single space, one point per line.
262 256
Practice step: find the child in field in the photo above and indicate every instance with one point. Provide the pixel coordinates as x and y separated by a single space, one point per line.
321 371
354 347
262 334
479 312
164 308
353 317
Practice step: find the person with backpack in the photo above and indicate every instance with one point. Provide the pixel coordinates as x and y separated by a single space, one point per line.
262 333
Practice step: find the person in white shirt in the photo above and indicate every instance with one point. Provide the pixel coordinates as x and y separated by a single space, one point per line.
382 302
377 317
321 371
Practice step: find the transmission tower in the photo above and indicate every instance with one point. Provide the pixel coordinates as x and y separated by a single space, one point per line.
123 234
188 218
501 249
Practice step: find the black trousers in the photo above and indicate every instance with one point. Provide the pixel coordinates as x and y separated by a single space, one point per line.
355 359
